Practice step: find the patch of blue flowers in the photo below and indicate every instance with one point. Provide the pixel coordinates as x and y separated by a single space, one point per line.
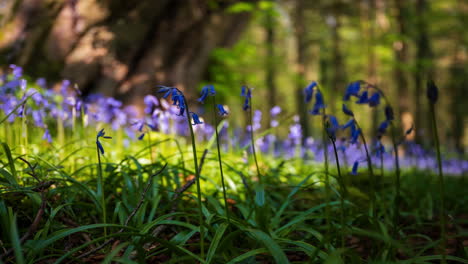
44 107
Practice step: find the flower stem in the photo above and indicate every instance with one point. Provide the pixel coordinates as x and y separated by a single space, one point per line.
197 176
441 185
101 191
327 178
219 159
396 208
371 172
342 194
252 142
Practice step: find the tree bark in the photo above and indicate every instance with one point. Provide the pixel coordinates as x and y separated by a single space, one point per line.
270 65
338 82
400 49
120 48
423 70
301 61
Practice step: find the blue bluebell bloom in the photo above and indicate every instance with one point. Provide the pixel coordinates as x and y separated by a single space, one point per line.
100 134
332 126
196 119
380 149
354 134
347 111
352 90
177 97
221 110
206 90
383 127
348 124
355 168
247 94
374 100
319 103
308 91
363 98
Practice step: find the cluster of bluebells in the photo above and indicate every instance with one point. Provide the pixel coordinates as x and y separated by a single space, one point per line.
44 108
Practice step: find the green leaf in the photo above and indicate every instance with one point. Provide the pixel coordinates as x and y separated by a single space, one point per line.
11 162
260 195
42 244
108 259
271 245
241 7
15 240
248 255
215 242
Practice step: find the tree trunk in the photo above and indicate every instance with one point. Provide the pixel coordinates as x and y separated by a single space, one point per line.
400 49
338 82
301 61
371 11
120 48
270 65
423 70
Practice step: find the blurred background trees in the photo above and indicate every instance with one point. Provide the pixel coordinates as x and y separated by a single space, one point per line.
125 48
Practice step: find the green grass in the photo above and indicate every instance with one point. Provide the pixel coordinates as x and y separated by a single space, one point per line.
283 220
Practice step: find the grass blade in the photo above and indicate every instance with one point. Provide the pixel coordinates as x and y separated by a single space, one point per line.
215 242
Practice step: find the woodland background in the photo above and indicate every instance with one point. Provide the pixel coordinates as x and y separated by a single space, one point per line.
126 48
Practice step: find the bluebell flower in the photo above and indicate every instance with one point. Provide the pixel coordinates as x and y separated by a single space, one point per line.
354 134
206 90
150 103
23 84
348 124
355 168
47 136
347 111
363 98
383 127
374 100
196 119
41 82
308 91
17 71
389 113
276 110
319 103
141 136
100 134
432 92
221 110
204 94
177 97
247 94
380 149
332 126
295 133
64 87
352 90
